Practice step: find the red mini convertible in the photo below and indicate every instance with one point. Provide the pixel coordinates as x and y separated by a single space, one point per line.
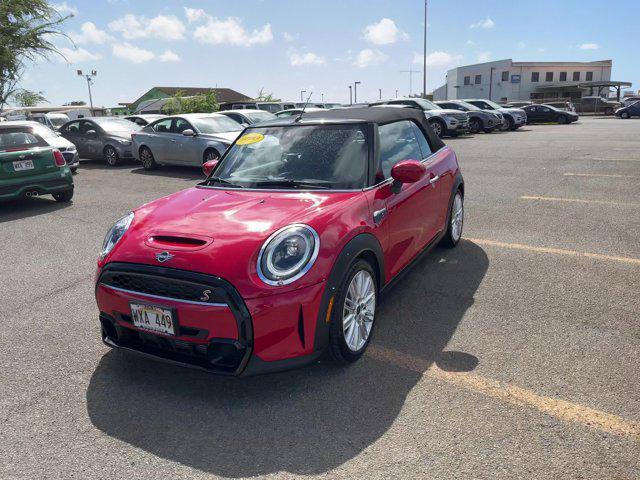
283 251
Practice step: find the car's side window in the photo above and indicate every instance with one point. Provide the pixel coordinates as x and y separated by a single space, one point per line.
425 148
73 128
545 109
163 126
397 142
181 125
86 126
236 117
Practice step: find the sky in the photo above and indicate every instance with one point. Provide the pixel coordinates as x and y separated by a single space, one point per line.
322 46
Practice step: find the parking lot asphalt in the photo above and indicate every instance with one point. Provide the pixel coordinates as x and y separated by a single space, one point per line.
516 355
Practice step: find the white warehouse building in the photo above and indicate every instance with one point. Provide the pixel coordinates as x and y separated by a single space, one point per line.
506 80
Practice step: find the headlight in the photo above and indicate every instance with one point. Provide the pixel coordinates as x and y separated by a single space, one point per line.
288 254
71 148
123 141
115 234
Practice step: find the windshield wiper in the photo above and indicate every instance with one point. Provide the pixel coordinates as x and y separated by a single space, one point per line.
222 181
287 182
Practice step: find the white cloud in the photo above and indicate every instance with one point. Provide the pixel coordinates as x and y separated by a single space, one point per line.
470 43
288 37
169 56
438 59
77 55
368 57
232 32
309 58
589 46
384 32
64 7
132 53
165 27
194 14
484 57
486 23
89 33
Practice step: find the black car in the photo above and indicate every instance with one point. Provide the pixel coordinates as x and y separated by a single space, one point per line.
106 138
632 110
548 114
479 120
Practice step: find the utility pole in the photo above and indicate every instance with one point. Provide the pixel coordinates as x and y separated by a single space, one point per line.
322 97
89 77
380 90
410 72
355 91
350 95
424 58
396 93
302 92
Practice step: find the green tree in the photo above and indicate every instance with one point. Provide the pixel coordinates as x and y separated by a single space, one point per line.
76 103
205 103
27 98
266 97
27 29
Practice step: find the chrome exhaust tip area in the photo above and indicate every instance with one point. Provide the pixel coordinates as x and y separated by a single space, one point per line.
33 193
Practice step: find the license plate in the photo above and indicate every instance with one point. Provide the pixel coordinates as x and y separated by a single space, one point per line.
153 318
23 165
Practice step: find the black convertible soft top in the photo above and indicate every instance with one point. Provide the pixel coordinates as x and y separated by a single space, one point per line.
379 115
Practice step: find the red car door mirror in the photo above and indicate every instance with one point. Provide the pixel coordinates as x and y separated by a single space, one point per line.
406 171
209 166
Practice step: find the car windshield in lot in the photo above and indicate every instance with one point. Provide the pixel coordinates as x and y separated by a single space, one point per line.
492 103
259 116
468 106
220 124
116 124
305 156
19 139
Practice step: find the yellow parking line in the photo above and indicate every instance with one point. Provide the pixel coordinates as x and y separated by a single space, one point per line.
606 175
576 200
555 251
512 394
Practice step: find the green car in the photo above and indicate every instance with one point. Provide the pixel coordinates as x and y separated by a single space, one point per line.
29 167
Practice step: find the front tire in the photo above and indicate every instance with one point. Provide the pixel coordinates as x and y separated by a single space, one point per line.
624 115
353 314
562 119
63 197
455 221
438 128
475 125
111 156
147 159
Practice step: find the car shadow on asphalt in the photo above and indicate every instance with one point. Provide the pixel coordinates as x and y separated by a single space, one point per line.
29 207
306 421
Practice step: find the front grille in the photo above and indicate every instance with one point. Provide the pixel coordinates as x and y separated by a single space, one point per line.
164 287
68 156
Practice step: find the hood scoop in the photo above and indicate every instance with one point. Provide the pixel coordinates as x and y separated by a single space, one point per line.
177 241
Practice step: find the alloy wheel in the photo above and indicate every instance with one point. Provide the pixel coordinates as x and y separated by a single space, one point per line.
111 156
359 310
437 128
457 214
147 158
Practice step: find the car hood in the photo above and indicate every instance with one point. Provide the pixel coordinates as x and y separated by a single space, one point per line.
447 111
232 223
517 111
226 137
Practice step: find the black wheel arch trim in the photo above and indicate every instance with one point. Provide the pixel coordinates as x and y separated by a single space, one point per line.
361 243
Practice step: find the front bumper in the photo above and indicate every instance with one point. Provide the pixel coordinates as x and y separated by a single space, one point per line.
43 184
227 334
72 158
456 127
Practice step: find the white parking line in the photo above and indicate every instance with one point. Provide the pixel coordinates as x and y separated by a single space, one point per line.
606 175
512 394
555 251
578 200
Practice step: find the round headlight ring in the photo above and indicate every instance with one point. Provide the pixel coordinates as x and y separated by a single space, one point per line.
293 273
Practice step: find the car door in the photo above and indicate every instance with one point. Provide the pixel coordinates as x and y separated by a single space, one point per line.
158 138
72 133
533 113
92 141
412 215
184 150
547 114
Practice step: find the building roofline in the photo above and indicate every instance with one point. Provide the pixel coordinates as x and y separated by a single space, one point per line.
596 63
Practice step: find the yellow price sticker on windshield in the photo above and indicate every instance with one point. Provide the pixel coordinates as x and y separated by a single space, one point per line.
250 138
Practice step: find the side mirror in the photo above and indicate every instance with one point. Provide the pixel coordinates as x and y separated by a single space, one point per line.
91 133
209 167
188 133
406 171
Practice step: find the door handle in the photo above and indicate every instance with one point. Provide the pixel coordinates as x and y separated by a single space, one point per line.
434 179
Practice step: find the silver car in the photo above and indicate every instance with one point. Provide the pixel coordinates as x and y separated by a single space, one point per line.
190 139
246 117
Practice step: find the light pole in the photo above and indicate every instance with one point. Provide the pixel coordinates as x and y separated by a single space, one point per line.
424 59
380 92
302 92
396 93
89 77
350 95
355 91
322 97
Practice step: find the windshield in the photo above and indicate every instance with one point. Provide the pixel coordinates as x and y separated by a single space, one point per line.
493 104
468 106
424 104
58 120
313 156
220 124
116 125
259 116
